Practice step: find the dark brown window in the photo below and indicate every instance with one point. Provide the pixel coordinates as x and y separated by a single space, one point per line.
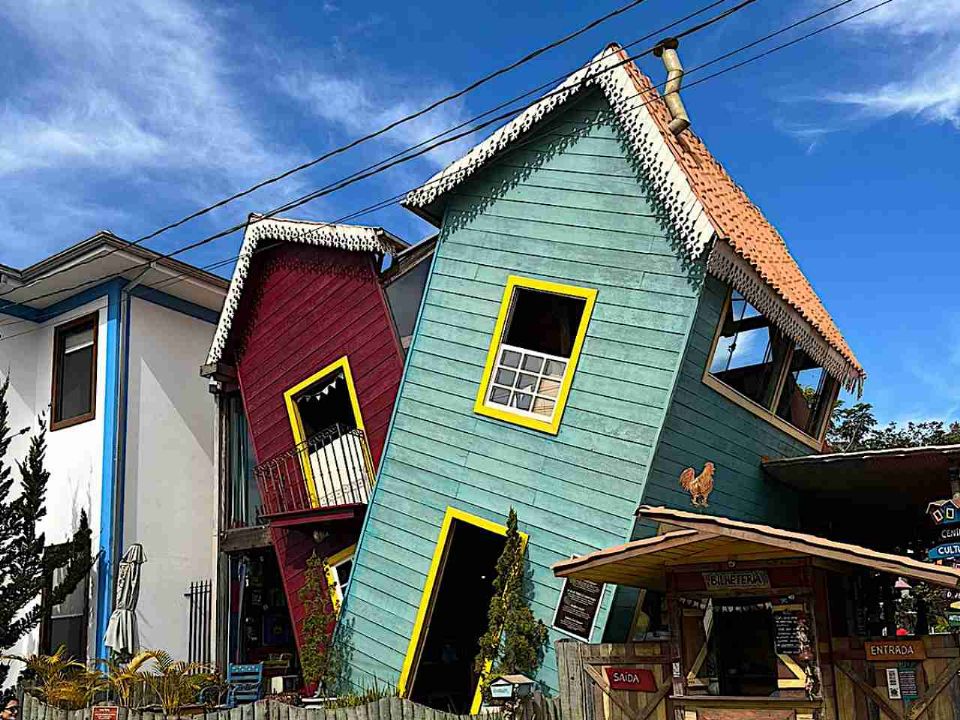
750 352
807 394
755 360
74 372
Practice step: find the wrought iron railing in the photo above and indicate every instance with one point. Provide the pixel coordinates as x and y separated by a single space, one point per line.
200 599
329 469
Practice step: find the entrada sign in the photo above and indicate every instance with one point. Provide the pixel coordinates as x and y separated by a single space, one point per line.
944 552
631 679
884 650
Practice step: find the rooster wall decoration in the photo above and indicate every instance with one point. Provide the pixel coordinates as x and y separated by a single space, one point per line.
699 486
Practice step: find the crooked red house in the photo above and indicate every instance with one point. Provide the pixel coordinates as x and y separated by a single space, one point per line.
305 366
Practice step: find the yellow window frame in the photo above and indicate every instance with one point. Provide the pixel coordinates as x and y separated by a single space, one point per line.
427 600
514 282
332 562
296 422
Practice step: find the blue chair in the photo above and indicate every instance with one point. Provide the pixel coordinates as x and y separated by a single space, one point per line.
244 684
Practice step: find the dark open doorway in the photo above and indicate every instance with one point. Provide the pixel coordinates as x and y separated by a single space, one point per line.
746 656
444 677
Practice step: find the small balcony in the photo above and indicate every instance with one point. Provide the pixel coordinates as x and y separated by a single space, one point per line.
329 471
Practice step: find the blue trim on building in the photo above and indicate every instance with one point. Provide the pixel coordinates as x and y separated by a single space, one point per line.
393 414
114 419
157 297
111 430
22 312
122 446
179 305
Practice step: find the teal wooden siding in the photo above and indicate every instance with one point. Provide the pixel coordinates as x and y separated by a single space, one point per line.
567 207
703 425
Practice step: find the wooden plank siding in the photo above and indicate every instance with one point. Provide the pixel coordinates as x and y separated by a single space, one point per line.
702 425
305 307
311 306
568 207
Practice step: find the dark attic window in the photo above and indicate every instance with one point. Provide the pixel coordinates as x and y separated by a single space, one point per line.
807 393
749 352
752 358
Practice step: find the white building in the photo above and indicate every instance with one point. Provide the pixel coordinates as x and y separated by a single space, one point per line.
104 339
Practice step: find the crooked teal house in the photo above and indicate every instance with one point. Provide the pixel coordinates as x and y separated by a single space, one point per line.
606 308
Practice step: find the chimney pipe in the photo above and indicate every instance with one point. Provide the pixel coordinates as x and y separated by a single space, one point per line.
667 50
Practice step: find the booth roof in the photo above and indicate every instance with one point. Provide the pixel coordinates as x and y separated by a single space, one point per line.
699 539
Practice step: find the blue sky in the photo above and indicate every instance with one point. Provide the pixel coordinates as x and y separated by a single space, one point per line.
128 115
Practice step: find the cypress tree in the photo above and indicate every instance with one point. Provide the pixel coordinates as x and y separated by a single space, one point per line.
514 641
25 559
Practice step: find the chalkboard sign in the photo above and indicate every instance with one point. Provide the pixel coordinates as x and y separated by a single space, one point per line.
908 680
577 609
786 624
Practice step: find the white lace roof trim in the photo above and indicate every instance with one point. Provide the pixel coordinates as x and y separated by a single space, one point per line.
671 186
356 238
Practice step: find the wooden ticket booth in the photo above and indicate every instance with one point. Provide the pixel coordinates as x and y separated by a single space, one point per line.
748 632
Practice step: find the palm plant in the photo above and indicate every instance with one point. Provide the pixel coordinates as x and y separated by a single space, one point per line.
124 679
177 682
61 681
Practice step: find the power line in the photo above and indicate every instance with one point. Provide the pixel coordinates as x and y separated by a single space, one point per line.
396 198
370 171
377 133
390 201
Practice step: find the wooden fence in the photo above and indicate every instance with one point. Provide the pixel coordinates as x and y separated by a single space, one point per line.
384 709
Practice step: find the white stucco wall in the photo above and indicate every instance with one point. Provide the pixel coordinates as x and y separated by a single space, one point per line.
170 480
74 454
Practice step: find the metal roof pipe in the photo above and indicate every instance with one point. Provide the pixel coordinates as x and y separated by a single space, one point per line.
667 50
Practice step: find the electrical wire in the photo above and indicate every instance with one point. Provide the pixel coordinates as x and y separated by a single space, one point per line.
390 201
383 130
395 199
400 158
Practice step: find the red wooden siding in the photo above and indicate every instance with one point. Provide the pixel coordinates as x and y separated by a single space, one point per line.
305 307
294 547
311 306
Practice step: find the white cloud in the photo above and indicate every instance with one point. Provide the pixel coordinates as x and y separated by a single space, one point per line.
925 39
124 86
127 115
360 106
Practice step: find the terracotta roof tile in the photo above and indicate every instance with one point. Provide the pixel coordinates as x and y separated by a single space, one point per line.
740 222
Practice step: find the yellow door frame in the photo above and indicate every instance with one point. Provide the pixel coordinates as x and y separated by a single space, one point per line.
332 562
434 575
296 423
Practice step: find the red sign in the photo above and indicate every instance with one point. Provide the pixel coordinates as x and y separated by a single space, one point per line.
105 712
632 679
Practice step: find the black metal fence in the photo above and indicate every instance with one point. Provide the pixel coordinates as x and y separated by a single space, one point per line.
329 469
199 599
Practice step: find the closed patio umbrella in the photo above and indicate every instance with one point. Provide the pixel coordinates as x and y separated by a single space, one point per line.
122 635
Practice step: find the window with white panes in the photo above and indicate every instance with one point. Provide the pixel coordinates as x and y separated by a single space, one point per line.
530 365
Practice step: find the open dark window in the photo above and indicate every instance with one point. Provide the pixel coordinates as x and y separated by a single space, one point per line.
327 426
756 361
325 404
74 372
532 357
750 352
746 653
807 394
